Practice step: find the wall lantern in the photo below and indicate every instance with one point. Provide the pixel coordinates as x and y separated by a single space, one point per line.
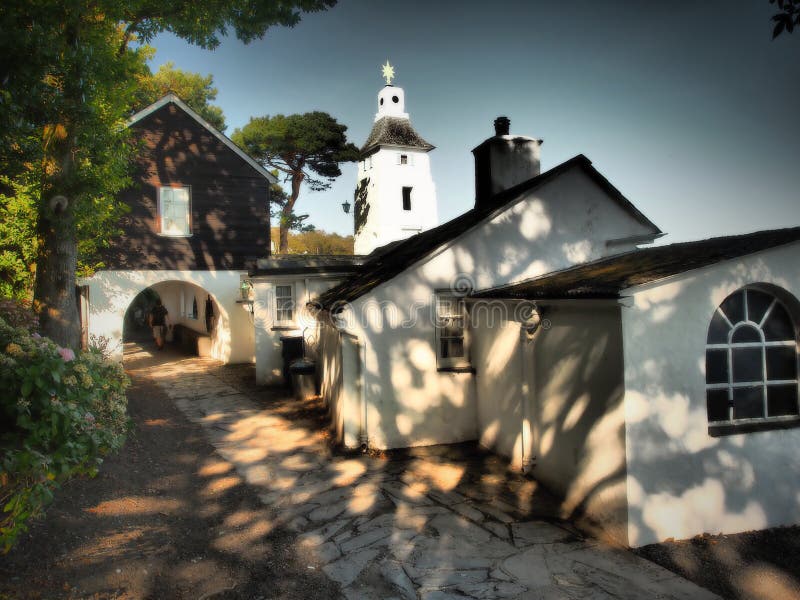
246 288
346 207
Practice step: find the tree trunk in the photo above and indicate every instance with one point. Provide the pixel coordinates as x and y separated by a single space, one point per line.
54 293
286 213
55 272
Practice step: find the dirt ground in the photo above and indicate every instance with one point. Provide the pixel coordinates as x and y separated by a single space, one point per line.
756 565
150 526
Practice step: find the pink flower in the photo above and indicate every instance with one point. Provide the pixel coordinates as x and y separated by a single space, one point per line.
66 354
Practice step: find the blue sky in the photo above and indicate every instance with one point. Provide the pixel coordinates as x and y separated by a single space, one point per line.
687 107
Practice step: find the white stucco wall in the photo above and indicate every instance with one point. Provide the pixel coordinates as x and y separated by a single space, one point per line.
386 220
681 481
111 293
553 403
268 332
410 402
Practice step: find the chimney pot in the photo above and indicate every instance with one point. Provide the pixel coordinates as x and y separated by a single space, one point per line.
502 125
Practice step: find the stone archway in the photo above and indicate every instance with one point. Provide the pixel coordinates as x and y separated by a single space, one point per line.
112 294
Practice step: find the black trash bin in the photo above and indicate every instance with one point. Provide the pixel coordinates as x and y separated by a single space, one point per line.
304 378
291 350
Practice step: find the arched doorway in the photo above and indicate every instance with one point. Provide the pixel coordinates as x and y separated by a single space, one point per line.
193 313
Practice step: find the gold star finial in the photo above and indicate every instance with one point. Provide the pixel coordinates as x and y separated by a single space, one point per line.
388 72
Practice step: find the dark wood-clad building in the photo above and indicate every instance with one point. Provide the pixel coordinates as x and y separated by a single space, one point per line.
197 203
198 221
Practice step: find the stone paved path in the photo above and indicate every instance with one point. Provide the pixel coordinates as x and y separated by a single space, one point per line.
438 524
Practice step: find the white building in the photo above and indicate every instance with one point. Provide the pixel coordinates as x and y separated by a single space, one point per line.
395 197
656 390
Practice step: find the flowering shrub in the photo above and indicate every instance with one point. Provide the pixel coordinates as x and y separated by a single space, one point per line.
60 413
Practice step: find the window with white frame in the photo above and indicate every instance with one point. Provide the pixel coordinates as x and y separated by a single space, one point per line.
751 361
284 304
174 210
451 347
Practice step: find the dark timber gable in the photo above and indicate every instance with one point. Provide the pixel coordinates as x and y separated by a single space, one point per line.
229 200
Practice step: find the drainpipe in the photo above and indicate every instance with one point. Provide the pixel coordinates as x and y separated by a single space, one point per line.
528 337
363 436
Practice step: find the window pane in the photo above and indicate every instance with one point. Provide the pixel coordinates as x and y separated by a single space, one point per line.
782 400
746 334
716 366
733 307
452 348
718 330
748 403
747 364
757 304
782 362
283 290
778 326
718 405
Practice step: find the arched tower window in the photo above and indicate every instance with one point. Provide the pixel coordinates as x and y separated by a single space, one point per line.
751 360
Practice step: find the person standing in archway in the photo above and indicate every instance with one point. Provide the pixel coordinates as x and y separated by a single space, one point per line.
159 321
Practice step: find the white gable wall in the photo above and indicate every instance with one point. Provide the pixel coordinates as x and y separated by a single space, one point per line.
409 402
682 481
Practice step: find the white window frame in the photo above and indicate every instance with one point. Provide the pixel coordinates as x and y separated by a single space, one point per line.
763 344
292 298
163 219
441 319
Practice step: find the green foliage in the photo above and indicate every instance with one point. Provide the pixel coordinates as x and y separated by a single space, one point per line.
317 241
306 148
17 240
309 146
787 17
69 78
60 414
194 89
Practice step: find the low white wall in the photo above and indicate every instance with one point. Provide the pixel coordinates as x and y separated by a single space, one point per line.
682 481
268 333
111 293
553 403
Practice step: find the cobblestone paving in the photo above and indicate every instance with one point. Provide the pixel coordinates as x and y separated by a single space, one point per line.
436 524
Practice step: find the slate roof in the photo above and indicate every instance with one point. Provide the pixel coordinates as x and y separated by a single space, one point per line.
394 131
390 260
294 264
607 277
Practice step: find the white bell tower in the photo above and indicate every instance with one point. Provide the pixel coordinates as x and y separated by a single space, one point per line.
395 196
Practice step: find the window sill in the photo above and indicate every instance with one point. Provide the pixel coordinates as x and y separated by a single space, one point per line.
464 369
284 328
723 429
174 235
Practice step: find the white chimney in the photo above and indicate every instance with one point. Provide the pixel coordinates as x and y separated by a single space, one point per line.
503 161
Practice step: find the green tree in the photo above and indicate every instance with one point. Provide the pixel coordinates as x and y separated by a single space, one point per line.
68 80
306 148
196 90
787 17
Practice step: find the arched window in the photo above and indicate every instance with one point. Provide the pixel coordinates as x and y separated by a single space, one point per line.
751 361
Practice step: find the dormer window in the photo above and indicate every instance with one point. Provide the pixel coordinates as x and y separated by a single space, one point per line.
174 211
